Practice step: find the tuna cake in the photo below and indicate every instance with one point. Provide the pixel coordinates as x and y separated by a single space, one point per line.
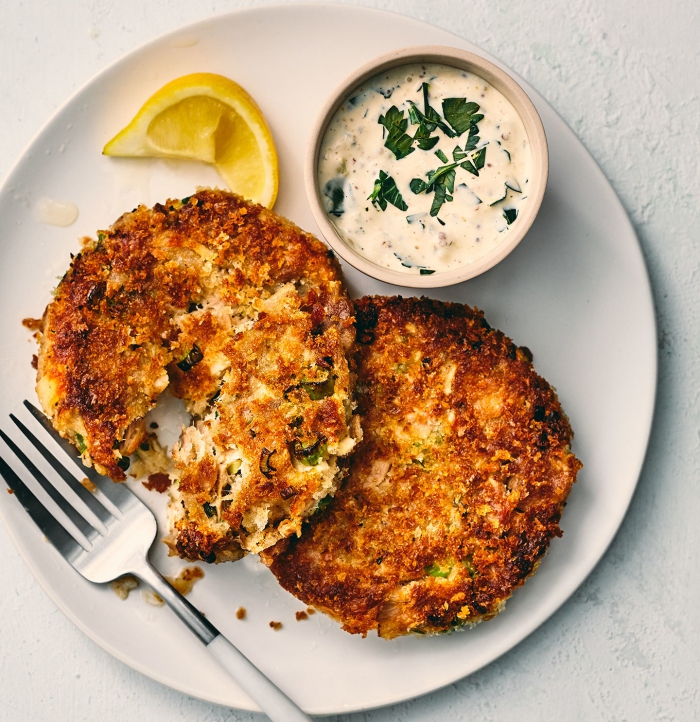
243 316
458 485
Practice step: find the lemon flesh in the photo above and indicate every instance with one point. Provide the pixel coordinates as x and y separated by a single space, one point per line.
209 118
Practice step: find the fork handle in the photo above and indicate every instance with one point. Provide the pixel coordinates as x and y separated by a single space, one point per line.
271 699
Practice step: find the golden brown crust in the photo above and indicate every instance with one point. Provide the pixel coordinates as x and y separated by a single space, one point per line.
211 295
457 488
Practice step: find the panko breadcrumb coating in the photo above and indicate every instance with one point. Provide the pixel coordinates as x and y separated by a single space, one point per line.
243 316
457 487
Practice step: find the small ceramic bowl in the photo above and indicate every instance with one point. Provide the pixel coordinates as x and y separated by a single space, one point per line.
464 61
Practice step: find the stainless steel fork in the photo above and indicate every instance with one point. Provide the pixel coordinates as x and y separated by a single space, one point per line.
117 543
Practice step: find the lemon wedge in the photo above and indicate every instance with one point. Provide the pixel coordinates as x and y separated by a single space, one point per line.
209 118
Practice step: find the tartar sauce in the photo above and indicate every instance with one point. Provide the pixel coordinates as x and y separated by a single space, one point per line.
424 168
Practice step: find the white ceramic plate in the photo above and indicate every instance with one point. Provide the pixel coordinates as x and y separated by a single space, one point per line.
575 291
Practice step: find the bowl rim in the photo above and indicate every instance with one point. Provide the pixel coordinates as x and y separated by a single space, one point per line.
463 60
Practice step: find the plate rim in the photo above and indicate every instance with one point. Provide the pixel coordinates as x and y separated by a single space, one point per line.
651 393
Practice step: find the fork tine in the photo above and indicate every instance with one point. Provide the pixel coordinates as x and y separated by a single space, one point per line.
83 494
52 529
67 447
116 493
85 528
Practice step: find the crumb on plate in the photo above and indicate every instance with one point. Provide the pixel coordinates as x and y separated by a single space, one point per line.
88 485
159 482
123 585
155 600
186 579
33 324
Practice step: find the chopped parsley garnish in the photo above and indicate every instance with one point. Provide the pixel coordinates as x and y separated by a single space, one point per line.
443 187
473 137
514 185
502 198
479 158
442 180
463 117
468 165
475 164
418 185
426 125
333 191
384 192
460 117
510 214
416 218
405 262
430 118
424 139
408 263
460 114
397 141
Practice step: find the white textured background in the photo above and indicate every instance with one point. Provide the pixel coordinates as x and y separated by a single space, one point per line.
625 74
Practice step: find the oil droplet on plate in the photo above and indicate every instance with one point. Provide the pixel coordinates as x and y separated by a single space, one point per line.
183 41
56 213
